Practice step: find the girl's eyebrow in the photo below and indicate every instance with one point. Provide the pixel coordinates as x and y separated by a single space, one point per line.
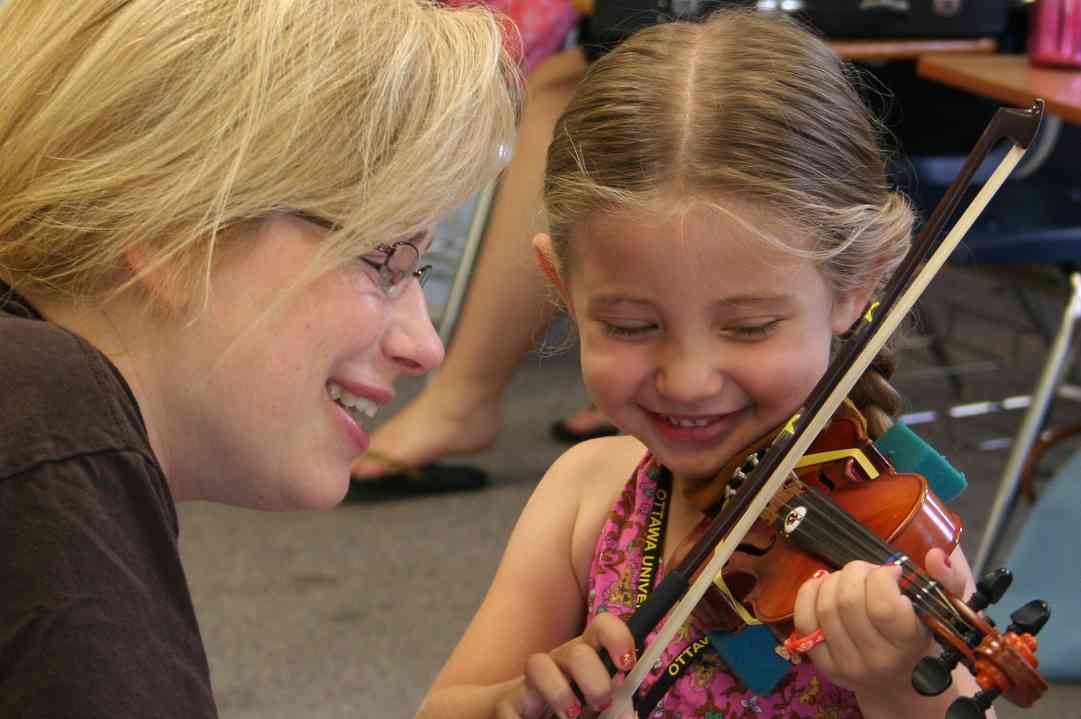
610 301
756 299
752 300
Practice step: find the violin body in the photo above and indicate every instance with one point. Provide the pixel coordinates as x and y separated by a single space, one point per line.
770 564
898 507
845 502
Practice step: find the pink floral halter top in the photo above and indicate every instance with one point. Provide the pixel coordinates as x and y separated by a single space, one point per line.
705 690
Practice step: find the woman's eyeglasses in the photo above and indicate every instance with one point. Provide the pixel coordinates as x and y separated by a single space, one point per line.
395 264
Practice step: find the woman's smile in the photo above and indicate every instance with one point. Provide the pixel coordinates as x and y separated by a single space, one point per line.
349 423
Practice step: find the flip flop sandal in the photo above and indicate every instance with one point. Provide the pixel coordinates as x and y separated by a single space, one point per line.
403 481
561 432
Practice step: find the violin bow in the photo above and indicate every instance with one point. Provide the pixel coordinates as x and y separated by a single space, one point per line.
676 596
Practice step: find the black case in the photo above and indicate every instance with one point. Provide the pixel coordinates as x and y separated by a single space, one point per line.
615 19
907 18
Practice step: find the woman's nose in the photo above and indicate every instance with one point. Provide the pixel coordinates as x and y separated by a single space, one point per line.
688 375
411 341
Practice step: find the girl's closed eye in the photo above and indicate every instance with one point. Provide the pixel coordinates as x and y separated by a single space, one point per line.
627 329
752 331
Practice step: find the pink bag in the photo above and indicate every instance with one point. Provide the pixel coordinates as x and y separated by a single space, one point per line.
1054 37
542 25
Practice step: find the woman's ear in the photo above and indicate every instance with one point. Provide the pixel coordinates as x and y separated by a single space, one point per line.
848 307
153 279
545 254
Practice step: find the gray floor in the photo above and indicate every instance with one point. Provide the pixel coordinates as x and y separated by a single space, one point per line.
350 613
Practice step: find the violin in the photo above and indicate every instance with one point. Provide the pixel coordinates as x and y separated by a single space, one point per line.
1003 664
846 502
808 527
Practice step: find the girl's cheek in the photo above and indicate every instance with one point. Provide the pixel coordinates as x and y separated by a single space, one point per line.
781 381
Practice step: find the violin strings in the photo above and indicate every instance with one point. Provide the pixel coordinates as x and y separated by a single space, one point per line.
855 538
926 594
858 536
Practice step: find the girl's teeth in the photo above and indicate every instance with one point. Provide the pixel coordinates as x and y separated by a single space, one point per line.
686 422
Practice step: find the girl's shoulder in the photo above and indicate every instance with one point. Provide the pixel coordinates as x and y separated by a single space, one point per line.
594 472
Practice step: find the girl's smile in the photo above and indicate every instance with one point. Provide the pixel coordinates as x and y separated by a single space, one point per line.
700 429
697 335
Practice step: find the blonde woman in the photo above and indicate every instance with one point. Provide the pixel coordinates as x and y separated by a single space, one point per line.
213 217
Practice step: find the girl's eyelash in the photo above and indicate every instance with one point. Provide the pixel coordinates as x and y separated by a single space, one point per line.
754 331
620 331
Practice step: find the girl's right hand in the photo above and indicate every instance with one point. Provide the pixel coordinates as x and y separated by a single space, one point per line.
547 682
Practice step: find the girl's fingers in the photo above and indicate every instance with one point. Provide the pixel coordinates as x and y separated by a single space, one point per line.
803 613
806 621
581 664
951 572
843 654
544 677
553 678
611 633
528 705
890 612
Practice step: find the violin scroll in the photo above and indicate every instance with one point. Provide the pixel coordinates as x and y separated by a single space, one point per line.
1001 663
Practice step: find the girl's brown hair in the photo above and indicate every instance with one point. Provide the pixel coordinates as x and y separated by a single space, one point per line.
748 106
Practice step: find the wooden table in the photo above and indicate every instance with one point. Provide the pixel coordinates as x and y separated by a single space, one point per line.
1009 79
909 49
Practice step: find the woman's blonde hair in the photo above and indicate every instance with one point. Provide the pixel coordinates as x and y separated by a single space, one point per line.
150 126
748 106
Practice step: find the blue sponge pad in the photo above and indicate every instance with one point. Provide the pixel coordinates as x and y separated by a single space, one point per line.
908 453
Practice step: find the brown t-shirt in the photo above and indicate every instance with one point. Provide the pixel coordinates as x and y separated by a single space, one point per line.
96 618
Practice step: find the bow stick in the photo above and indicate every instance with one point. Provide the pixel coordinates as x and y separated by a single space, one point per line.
882 317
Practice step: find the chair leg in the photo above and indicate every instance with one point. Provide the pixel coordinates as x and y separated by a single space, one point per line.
1048 438
465 266
1050 377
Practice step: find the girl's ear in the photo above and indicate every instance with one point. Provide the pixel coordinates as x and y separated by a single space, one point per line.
847 308
542 246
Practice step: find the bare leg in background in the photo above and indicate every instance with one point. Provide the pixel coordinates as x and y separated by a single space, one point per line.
508 306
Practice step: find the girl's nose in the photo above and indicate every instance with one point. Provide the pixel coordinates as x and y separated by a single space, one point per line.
411 341
688 376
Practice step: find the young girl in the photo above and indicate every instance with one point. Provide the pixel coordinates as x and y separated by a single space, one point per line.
719 216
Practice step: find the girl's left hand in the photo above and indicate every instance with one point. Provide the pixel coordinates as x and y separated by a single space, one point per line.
872 635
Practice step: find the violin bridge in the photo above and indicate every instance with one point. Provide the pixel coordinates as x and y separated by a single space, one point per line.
776 507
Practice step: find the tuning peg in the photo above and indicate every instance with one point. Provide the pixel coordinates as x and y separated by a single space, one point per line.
1030 618
990 588
933 675
972 707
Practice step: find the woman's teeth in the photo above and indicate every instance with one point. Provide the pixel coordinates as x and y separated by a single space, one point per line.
356 406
